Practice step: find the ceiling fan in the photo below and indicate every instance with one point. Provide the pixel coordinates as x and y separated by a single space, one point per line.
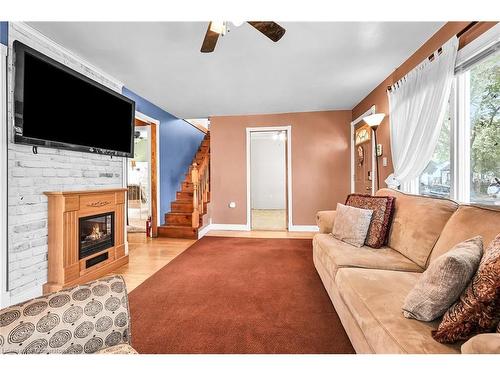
217 28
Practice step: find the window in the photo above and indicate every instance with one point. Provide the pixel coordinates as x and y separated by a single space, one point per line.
483 81
435 180
465 165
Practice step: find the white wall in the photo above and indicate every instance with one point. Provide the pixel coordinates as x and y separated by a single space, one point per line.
268 171
30 175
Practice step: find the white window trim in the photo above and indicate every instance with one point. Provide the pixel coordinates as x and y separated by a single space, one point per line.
460 121
462 139
4 296
480 44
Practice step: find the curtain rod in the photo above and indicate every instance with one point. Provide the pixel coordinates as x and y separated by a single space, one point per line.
459 34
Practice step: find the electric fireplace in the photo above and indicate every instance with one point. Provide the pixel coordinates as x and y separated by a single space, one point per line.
96 233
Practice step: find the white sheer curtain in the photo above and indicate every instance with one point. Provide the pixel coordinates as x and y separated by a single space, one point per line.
417 105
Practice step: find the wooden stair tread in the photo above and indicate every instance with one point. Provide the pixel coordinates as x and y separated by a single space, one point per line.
178 222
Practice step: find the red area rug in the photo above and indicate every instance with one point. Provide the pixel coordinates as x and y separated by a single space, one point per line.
237 295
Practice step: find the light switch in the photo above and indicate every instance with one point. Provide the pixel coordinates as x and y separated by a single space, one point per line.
384 161
232 204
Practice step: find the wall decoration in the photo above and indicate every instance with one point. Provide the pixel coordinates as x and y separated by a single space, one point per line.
361 155
363 134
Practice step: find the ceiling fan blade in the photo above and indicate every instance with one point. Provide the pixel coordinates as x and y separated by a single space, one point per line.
210 40
270 29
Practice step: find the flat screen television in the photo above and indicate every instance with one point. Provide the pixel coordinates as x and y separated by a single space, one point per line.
59 108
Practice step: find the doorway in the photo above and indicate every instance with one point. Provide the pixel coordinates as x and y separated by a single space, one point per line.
363 174
268 178
142 179
362 156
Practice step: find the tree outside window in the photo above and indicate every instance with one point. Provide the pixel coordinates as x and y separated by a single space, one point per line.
484 80
435 180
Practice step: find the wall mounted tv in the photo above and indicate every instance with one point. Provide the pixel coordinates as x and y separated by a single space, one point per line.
59 108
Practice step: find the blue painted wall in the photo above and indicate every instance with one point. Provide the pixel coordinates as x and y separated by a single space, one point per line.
4 33
179 142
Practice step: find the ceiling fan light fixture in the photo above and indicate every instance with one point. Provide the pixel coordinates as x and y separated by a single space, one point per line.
218 27
237 23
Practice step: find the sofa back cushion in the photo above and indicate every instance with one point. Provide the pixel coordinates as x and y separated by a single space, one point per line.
467 222
417 223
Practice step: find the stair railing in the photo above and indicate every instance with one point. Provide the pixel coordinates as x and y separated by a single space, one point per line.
200 177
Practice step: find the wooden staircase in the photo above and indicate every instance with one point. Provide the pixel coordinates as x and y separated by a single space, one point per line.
186 212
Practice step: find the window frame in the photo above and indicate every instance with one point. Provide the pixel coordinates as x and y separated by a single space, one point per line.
460 127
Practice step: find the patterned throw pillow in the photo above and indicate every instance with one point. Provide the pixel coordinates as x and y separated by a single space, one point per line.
80 319
351 224
383 209
478 309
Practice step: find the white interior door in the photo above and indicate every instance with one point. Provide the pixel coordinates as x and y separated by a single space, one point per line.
268 180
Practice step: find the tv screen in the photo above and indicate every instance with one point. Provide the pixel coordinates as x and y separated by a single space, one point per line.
58 107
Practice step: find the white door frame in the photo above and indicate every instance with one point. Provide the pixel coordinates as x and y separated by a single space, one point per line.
288 130
145 118
4 295
371 111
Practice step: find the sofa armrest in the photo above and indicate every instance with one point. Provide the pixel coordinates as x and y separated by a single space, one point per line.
325 220
80 319
485 343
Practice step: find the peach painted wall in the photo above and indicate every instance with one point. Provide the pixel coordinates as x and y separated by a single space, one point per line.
378 96
320 162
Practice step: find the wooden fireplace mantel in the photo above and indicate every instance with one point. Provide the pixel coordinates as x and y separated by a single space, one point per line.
65 210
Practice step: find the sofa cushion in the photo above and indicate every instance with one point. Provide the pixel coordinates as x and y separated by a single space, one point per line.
335 254
374 298
417 223
467 222
485 343
382 208
443 281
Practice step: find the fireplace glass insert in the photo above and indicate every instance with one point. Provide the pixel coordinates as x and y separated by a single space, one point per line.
96 233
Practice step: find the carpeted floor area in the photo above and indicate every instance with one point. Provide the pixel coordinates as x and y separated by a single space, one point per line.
237 295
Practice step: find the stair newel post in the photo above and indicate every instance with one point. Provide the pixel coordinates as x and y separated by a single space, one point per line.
195 219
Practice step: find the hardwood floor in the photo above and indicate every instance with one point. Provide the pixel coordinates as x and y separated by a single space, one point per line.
148 255
268 219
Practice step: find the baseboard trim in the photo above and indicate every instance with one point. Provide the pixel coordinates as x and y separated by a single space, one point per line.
28 294
242 227
304 228
245 227
204 230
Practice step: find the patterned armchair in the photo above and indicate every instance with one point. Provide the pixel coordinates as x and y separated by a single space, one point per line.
87 318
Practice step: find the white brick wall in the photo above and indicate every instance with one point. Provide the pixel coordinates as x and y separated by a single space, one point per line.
29 175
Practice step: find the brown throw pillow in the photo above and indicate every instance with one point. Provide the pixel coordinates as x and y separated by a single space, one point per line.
478 309
442 283
383 209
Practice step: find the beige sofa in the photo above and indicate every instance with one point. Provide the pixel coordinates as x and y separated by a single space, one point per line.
368 286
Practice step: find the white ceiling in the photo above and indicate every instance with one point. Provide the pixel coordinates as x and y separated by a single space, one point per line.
315 66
